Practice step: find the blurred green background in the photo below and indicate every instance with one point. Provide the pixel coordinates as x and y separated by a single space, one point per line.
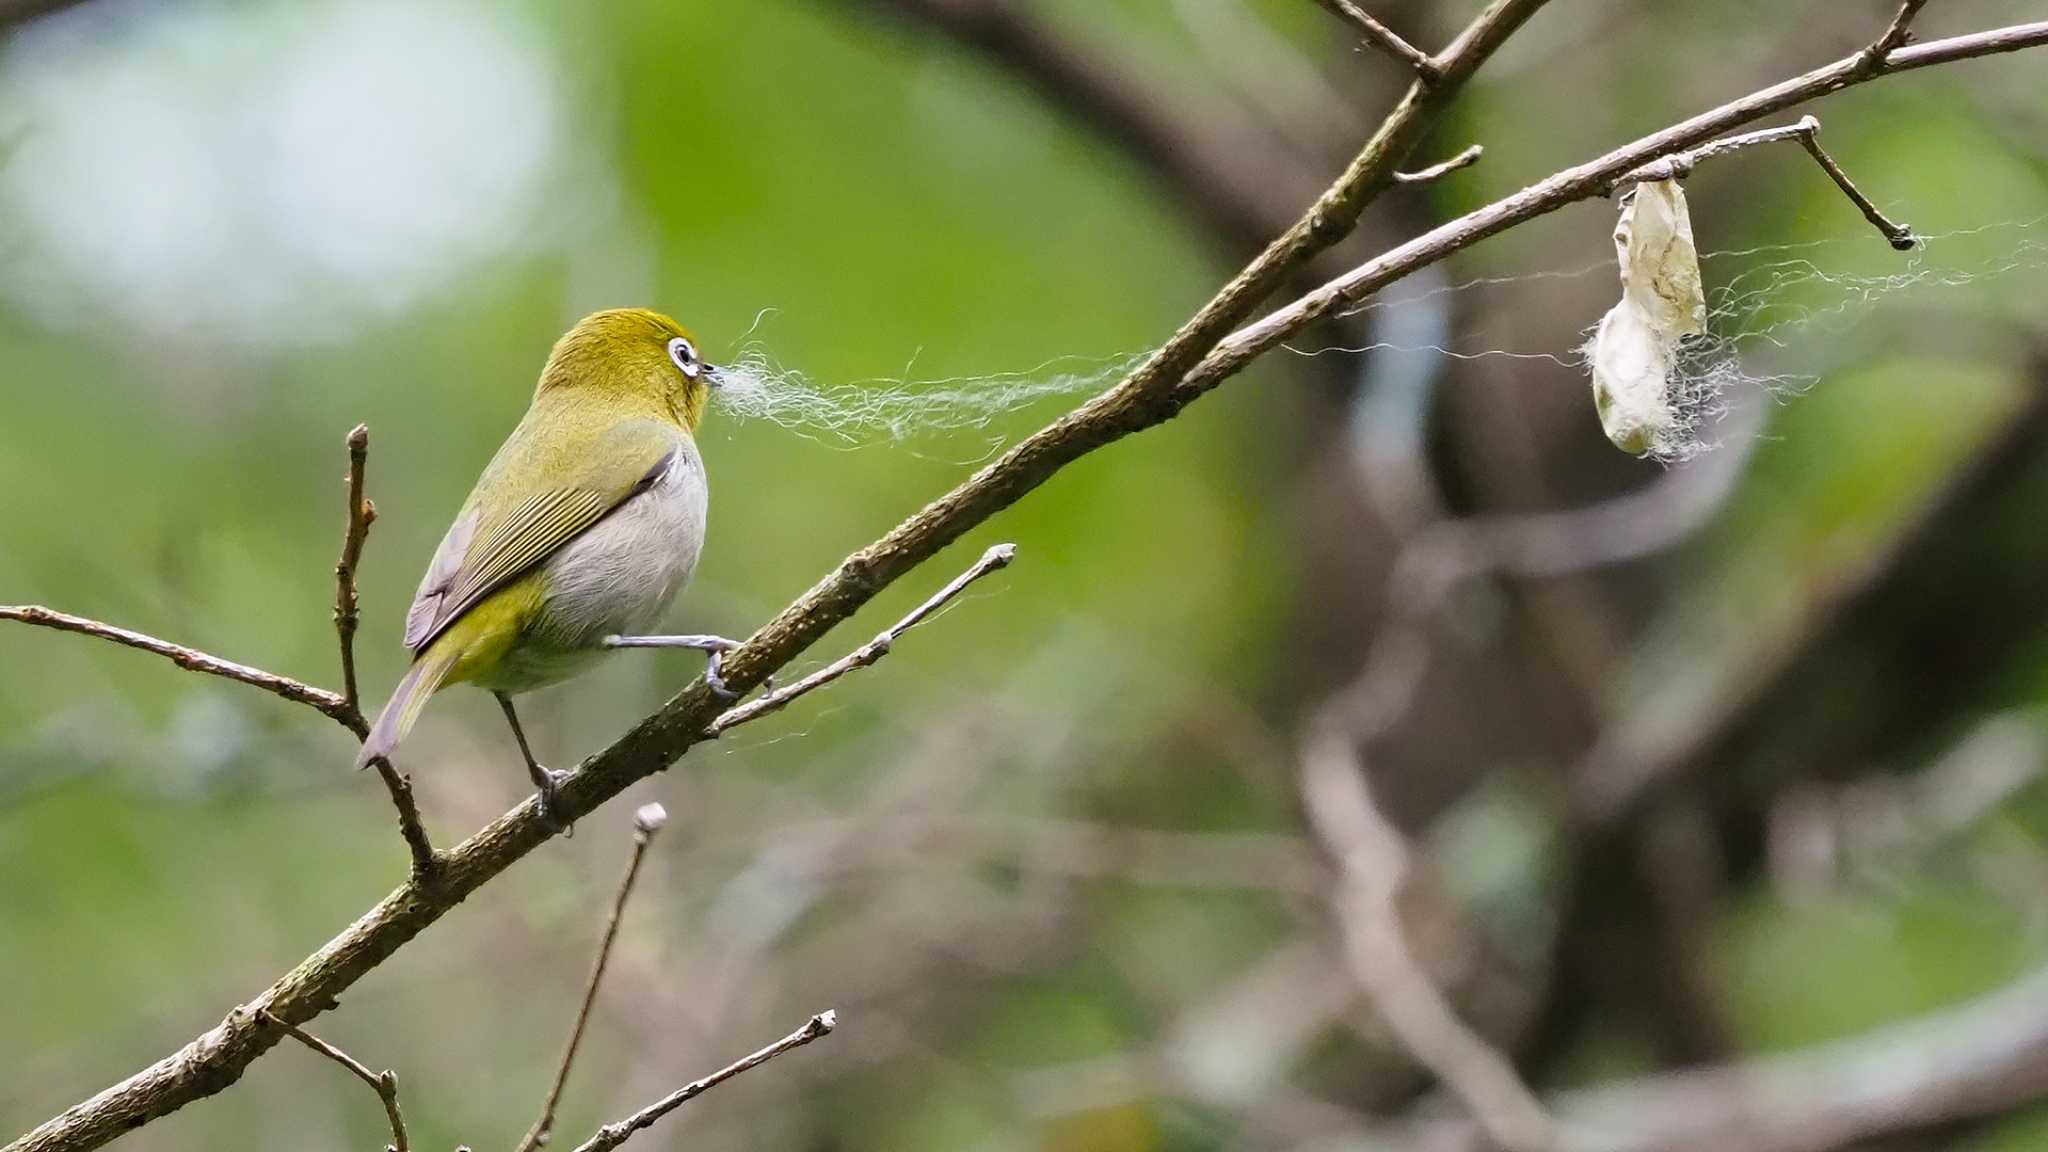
229 232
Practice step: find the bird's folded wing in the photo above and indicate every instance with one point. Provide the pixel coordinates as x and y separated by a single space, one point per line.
481 553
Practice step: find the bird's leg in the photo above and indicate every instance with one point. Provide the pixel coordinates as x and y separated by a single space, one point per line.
711 646
544 778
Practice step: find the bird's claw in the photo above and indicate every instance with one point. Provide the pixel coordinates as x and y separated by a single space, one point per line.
550 801
714 681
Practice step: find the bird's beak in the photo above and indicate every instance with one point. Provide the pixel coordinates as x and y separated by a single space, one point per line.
713 376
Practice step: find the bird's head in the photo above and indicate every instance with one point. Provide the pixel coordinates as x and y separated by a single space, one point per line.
632 356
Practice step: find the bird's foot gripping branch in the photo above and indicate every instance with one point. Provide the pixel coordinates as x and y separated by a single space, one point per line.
438 880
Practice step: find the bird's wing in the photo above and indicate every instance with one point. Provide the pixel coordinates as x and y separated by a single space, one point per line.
481 552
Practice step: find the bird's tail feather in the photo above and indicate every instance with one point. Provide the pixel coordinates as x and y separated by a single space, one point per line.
420 682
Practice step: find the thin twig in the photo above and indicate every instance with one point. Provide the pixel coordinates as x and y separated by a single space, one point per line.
424 860
360 513
1901 237
1373 858
1151 394
646 822
1678 165
1384 38
1895 35
191 659
1578 183
384 1084
1465 159
996 557
342 708
614 1134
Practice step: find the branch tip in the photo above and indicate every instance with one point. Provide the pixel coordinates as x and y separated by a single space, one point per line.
646 822
328 704
1465 159
618 1132
997 556
1806 130
347 614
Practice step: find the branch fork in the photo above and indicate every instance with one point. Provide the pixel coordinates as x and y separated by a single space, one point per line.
1385 39
344 708
1199 356
384 1084
1679 165
867 654
1896 36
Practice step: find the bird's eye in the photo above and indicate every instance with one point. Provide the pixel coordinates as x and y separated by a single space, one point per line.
684 354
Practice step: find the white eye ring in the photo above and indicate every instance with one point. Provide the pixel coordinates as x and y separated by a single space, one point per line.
685 356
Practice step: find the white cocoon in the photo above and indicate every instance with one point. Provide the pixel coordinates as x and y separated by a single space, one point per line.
1636 347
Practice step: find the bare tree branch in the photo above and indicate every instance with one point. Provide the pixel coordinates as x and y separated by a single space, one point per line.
344 709
1437 171
1977 1059
996 557
360 513
1901 237
410 826
1583 182
1154 392
646 822
614 1134
326 703
1373 859
1895 35
1384 38
1807 132
384 1084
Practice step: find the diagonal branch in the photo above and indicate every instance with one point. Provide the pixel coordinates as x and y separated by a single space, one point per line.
1582 182
646 822
1373 864
1900 236
384 1084
1153 393
1384 38
612 1135
996 557
1895 35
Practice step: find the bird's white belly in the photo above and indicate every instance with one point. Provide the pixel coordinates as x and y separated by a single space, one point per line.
616 578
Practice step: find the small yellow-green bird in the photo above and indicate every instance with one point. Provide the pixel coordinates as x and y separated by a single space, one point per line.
578 534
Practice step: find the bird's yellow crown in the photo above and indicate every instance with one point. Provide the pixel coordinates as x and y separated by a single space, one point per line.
631 354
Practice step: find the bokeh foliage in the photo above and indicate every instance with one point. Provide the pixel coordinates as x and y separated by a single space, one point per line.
172 844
